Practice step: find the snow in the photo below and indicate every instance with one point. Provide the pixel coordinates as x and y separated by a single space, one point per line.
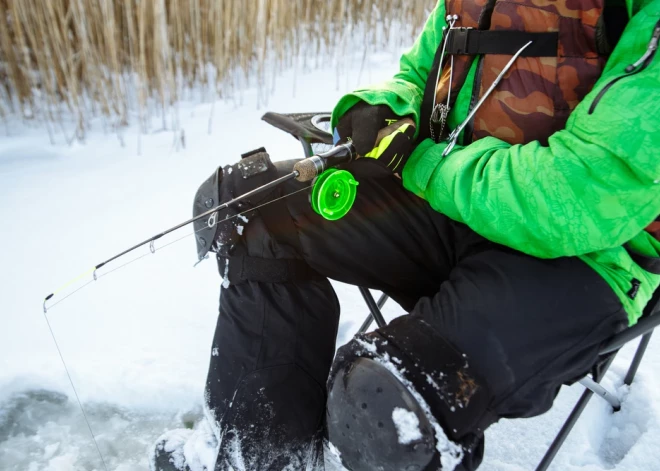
196 448
407 425
225 276
173 443
137 341
334 451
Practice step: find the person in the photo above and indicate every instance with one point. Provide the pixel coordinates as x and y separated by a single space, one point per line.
515 226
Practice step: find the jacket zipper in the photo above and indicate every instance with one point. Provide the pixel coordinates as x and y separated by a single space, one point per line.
632 69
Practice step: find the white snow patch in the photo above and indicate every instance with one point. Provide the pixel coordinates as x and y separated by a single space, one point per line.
370 347
225 276
236 454
407 425
201 449
432 382
333 449
215 352
173 442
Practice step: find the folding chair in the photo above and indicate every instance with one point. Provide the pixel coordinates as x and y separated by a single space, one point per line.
313 132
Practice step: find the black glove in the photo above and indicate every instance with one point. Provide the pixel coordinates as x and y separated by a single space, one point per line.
361 125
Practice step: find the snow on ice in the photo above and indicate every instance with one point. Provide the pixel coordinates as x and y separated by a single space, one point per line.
137 341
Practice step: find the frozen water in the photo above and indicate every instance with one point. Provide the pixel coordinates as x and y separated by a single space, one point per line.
44 430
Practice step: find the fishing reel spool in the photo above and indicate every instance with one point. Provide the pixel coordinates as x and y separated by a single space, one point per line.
333 193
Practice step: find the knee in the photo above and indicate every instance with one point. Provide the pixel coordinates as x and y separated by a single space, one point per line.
218 231
404 398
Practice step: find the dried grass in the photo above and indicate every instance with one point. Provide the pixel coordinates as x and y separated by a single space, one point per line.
122 59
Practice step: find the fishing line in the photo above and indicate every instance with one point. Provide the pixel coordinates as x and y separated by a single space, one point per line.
75 392
68 295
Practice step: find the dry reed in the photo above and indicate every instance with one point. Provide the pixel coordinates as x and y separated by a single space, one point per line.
123 59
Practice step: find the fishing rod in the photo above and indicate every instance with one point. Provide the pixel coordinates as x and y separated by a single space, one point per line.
333 194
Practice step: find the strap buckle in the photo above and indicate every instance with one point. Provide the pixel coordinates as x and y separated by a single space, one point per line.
458 40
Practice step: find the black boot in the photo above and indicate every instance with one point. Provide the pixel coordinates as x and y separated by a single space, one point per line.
403 398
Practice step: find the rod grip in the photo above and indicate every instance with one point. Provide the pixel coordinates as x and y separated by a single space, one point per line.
308 168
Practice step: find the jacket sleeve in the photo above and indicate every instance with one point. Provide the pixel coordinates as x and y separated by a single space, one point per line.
404 92
595 186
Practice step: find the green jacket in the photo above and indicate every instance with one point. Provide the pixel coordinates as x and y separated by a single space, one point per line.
595 187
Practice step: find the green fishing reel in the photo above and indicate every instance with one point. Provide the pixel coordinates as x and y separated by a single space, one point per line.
333 193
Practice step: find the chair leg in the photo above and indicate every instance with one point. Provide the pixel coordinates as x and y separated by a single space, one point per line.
597 389
373 307
367 322
565 430
570 423
593 387
634 366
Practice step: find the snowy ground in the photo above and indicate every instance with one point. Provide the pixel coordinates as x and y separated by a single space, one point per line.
137 341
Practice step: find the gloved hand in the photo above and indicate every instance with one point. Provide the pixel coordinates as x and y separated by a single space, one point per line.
361 125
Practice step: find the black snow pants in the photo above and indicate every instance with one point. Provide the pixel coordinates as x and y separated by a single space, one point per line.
528 325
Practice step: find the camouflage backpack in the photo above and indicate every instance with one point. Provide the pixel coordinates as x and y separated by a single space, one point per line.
546 82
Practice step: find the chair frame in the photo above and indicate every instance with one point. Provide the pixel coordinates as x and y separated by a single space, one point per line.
591 382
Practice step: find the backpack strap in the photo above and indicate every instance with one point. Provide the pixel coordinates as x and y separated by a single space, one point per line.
471 41
427 100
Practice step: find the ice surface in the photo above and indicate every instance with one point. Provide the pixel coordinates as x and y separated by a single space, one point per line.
137 341
407 425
